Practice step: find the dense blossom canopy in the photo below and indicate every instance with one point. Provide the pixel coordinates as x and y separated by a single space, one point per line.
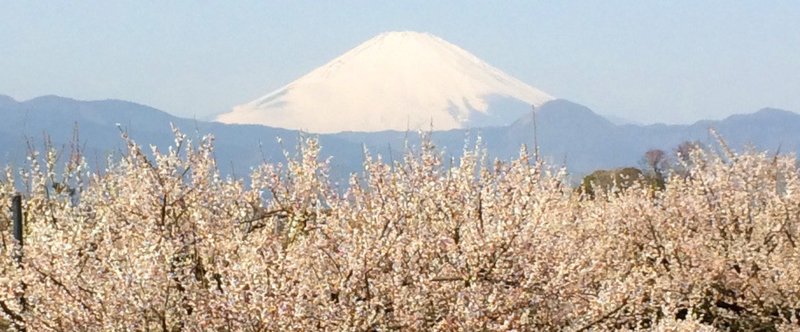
165 243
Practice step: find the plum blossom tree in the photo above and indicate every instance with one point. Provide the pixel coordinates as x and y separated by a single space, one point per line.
164 242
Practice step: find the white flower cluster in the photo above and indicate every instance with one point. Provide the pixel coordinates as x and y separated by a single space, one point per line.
166 243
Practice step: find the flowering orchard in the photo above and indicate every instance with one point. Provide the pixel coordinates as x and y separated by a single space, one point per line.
164 243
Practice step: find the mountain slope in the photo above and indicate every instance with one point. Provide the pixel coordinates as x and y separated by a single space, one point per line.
395 81
238 147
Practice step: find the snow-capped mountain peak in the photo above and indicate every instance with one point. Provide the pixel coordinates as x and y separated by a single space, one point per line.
395 81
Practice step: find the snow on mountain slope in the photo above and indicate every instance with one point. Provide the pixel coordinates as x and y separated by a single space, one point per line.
394 81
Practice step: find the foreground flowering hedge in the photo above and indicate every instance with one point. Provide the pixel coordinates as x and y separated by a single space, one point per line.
167 244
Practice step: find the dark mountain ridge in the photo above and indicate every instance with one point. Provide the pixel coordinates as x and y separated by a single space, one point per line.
567 133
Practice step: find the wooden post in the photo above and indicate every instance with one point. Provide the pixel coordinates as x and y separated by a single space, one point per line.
16 210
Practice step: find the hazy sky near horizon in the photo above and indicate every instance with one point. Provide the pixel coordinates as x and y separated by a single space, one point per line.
648 61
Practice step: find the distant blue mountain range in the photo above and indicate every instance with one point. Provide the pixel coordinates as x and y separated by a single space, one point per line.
568 134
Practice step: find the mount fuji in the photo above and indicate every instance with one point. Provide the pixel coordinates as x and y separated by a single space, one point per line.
395 81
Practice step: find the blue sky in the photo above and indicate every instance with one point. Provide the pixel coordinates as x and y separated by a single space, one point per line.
649 61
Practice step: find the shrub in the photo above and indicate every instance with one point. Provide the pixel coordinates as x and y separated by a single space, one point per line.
616 180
